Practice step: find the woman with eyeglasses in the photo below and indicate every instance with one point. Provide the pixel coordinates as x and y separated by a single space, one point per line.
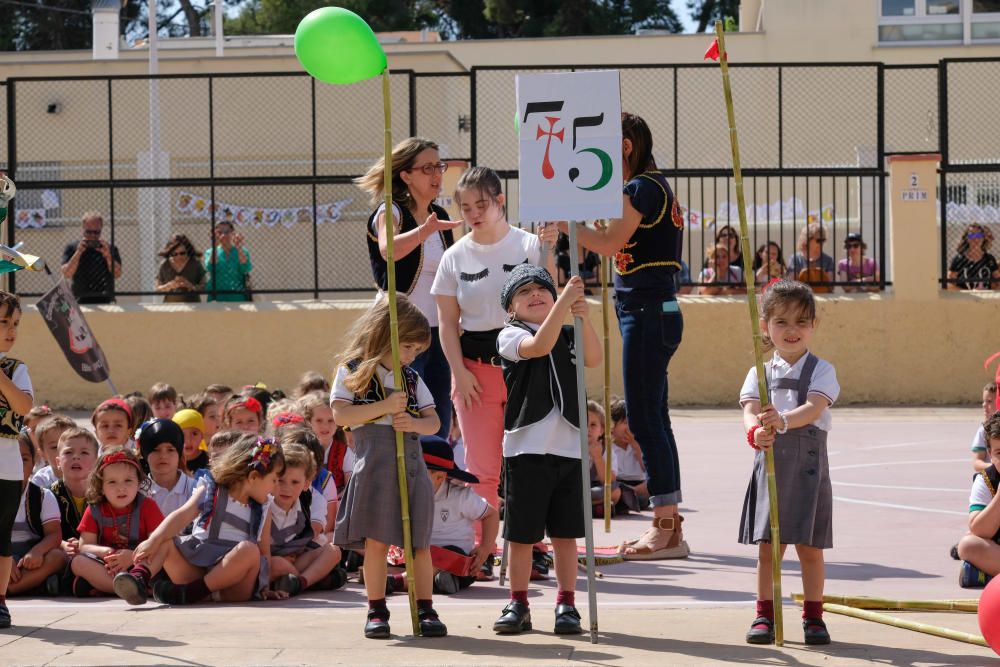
181 276
856 268
730 238
810 264
973 267
421 234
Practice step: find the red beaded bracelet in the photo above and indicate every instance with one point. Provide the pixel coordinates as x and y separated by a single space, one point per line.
750 441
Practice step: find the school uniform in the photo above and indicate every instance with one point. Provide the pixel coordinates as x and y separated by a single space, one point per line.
802 471
370 507
38 507
173 498
292 530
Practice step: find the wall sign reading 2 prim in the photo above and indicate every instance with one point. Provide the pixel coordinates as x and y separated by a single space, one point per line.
570 139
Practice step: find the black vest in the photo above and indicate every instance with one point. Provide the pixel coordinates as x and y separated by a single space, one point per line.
657 241
376 392
407 268
10 421
535 386
992 478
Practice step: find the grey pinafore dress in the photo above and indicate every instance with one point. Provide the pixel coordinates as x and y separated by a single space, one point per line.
802 473
293 539
370 506
206 551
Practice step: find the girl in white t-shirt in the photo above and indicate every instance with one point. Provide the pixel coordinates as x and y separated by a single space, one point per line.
467 288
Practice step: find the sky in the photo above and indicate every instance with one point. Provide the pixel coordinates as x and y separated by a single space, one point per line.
684 14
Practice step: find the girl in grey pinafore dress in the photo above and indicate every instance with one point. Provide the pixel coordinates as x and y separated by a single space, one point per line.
802 473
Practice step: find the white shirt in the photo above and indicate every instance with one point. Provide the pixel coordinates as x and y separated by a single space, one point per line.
229 532
340 392
823 382
980 496
318 504
420 296
979 440
625 465
349 459
475 274
171 499
553 434
50 512
45 477
456 509
10 454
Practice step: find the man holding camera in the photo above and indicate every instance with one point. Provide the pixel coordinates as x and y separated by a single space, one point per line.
92 263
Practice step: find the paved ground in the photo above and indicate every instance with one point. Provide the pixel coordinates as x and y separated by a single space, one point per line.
901 479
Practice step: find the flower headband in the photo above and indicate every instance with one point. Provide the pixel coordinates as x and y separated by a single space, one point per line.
263 452
250 403
286 419
118 457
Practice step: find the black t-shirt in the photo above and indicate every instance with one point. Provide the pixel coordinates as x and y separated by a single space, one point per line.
93 281
973 275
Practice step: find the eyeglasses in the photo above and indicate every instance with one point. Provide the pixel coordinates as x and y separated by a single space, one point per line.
975 235
92 232
818 239
179 253
852 244
222 232
431 168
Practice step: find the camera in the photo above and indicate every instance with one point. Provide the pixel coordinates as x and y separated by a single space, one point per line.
92 244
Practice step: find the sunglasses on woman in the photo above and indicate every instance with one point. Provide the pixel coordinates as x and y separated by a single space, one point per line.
179 253
853 244
974 235
431 168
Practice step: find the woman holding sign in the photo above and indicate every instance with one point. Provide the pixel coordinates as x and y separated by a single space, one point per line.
646 244
418 247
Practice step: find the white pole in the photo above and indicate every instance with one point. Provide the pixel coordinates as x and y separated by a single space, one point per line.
153 203
581 399
217 12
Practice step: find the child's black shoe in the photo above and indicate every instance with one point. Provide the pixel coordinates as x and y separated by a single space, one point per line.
430 624
761 631
815 631
4 615
288 583
377 626
331 582
515 619
130 588
82 588
567 620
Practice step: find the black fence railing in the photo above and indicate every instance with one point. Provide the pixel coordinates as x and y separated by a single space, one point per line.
276 154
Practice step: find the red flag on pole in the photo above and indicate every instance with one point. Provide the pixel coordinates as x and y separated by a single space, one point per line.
713 50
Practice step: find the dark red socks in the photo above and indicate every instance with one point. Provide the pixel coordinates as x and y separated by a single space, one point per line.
519 596
566 597
812 610
765 609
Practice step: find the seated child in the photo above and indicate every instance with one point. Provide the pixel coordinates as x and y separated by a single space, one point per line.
980 548
220 392
220 442
322 482
227 553
47 434
243 413
77 460
113 425
142 411
315 409
118 517
195 449
161 446
980 452
598 467
626 456
298 562
36 536
210 410
35 417
163 399
309 382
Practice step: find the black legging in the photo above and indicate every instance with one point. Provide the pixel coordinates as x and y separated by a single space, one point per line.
10 499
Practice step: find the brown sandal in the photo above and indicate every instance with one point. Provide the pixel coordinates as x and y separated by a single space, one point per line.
663 540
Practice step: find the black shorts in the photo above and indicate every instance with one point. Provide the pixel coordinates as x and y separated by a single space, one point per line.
544 495
10 502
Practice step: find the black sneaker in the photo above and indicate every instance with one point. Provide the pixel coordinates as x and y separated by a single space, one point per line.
515 619
430 624
486 571
4 615
82 588
331 582
130 588
53 585
377 626
567 620
815 631
353 561
446 583
289 583
761 631
954 553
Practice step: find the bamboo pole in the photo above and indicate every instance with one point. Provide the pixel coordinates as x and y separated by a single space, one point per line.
605 278
397 370
904 624
865 602
748 274
581 397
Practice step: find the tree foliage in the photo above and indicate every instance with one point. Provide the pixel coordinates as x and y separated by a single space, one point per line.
707 12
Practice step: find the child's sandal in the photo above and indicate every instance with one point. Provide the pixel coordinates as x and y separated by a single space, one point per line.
761 631
377 626
815 631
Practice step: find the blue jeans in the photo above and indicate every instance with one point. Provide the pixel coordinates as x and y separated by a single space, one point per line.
432 366
651 333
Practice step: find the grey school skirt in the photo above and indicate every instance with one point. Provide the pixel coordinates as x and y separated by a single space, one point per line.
208 554
370 506
805 497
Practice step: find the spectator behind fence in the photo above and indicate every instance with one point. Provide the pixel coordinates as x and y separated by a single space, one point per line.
730 237
810 264
181 276
228 266
589 264
92 264
719 276
973 267
768 263
856 268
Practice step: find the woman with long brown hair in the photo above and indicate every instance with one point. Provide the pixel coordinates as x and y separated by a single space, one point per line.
181 276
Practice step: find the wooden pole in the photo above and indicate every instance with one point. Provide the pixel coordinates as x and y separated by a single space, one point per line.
581 397
904 624
605 279
748 274
397 370
865 602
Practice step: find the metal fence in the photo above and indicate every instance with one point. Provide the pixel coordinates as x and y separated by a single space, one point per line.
276 153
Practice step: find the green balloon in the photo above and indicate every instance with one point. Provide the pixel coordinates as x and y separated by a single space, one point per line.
335 45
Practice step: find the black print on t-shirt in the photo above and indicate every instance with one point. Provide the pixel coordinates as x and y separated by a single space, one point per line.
507 268
473 277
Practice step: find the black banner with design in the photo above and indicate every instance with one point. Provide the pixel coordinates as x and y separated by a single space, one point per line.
61 312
